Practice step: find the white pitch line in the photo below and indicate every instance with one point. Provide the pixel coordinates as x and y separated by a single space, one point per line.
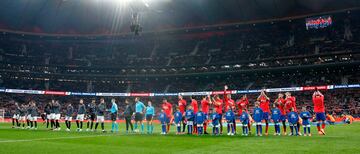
54 138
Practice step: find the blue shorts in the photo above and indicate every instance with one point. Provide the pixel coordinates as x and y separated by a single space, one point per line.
206 116
282 117
266 116
276 120
320 116
306 122
245 122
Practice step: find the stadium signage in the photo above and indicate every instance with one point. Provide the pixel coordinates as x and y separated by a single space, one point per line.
314 87
55 93
202 93
140 94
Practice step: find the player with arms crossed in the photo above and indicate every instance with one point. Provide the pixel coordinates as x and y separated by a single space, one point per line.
265 107
319 109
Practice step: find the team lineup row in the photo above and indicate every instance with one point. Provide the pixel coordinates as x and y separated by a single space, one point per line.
213 111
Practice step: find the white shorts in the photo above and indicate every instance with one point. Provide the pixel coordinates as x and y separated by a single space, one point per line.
52 116
306 125
15 116
200 125
100 119
22 118
190 122
68 118
34 118
28 117
57 117
80 117
48 116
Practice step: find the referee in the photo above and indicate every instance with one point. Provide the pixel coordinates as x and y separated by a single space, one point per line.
114 111
139 110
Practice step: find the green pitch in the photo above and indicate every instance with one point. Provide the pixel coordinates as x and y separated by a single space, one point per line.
339 139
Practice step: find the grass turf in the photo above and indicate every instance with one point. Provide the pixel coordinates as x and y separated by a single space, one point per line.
339 139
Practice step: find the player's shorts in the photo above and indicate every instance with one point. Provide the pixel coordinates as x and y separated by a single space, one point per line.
266 116
33 118
307 125
245 123
276 121
138 116
100 119
28 117
282 117
149 117
57 117
190 122
206 116
258 123
80 117
22 118
320 116
113 116
200 125
52 116
216 125
68 118
48 117
16 116
91 117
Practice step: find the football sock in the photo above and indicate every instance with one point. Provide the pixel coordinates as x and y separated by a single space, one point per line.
318 126
308 130
102 126
96 125
77 123
266 127
284 126
142 128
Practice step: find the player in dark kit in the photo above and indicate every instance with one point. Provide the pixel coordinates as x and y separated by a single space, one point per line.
68 116
91 115
80 115
56 108
47 110
101 108
16 116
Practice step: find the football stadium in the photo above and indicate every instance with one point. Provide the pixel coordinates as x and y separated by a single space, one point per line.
179 76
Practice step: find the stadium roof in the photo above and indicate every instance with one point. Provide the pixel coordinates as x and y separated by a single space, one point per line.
113 16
